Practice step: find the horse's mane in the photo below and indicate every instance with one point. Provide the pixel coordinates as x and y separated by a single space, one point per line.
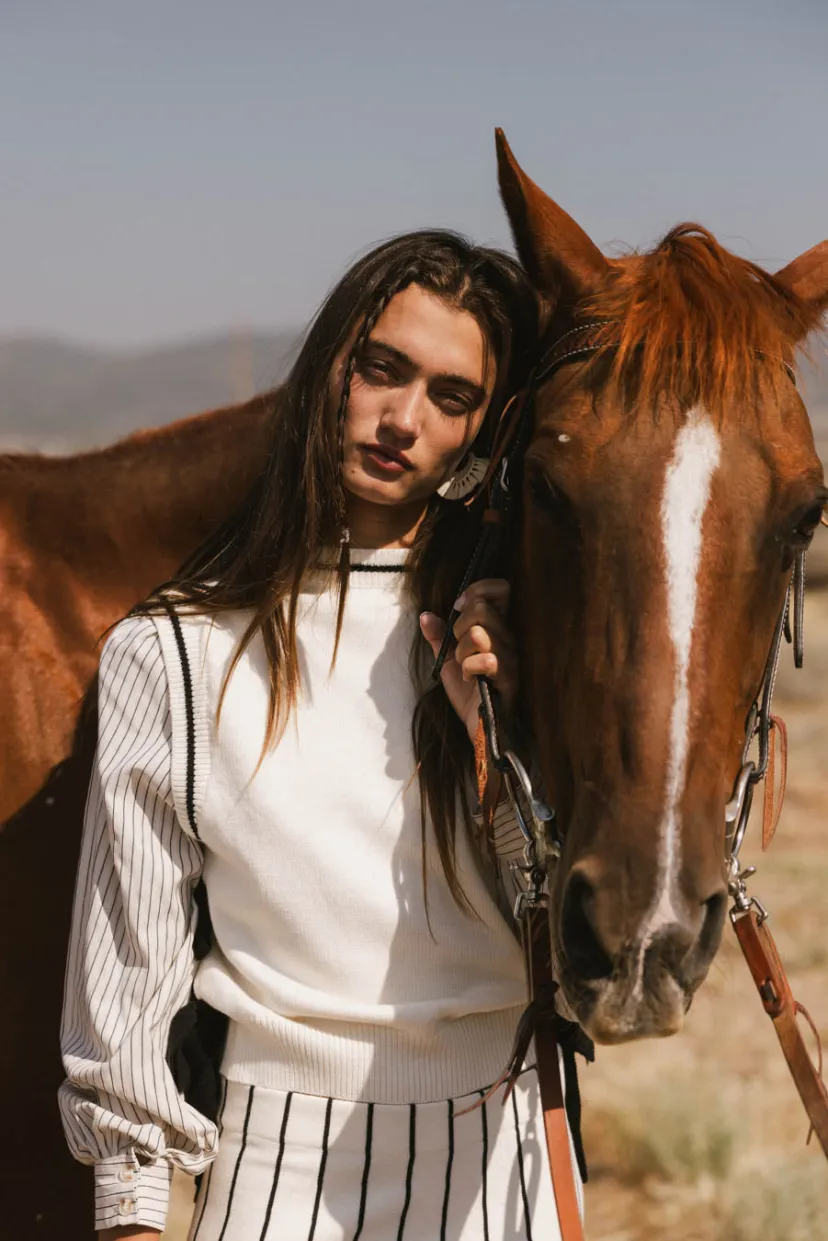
689 320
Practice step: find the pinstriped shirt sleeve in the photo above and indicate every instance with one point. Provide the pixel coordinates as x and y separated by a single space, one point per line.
131 965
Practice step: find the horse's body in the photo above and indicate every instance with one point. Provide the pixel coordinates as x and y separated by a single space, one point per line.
665 539
81 540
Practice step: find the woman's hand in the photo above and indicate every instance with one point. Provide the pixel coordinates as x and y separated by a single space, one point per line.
484 647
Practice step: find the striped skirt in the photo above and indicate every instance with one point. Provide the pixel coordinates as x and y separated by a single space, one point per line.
297 1167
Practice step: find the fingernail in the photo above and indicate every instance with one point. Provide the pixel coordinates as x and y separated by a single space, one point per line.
459 603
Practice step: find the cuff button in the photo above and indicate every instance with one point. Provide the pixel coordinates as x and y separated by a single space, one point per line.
127 1174
127 1206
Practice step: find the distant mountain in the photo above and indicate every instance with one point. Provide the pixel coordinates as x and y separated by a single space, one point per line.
60 396
65 396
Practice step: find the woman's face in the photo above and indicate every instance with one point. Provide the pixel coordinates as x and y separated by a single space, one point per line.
418 397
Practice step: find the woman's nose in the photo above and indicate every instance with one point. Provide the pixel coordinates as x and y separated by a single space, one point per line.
403 412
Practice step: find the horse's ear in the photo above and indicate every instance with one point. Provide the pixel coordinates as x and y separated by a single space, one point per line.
808 276
559 257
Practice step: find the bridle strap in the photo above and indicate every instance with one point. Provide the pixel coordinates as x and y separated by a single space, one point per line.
760 717
494 766
558 1143
774 801
748 915
510 421
764 963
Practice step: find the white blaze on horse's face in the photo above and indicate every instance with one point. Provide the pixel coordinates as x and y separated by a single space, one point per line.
685 498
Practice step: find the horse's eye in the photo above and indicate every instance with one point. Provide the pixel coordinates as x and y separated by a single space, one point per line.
543 494
549 500
805 524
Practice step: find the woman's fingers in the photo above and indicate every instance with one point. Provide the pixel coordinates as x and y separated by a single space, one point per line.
485 604
487 665
433 628
484 639
482 651
480 629
501 669
488 635
484 646
492 590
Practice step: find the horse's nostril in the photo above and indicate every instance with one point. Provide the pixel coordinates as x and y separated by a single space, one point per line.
714 916
685 950
585 954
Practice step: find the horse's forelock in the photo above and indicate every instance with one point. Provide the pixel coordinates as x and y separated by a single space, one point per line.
690 321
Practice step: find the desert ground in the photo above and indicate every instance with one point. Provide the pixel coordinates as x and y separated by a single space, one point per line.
701 1137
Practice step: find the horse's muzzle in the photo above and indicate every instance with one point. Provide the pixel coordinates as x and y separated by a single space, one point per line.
628 986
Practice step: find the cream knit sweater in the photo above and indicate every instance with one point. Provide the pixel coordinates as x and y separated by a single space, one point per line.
335 981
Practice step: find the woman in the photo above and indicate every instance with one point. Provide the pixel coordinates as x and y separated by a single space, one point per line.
268 724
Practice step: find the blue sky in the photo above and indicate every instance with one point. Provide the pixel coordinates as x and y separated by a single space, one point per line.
176 167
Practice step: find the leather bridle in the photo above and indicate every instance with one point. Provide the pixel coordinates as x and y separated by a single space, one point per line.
760 725
498 761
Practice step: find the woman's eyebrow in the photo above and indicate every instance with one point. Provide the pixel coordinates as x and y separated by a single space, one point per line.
404 360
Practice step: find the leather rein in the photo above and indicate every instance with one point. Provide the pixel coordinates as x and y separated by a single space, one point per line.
498 764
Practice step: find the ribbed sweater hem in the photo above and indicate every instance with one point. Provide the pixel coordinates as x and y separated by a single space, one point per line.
373 1064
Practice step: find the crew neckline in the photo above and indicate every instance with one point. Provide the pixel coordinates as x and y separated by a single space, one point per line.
379 569
379 559
372 568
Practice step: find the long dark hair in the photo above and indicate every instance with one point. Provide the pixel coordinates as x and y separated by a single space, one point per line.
293 518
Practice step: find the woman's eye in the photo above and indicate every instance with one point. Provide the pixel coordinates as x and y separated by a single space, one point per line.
453 403
371 368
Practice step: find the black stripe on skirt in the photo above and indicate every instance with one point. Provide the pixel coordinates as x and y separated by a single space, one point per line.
322 1161
238 1163
484 1170
209 1173
449 1162
278 1168
363 1193
524 1195
412 1125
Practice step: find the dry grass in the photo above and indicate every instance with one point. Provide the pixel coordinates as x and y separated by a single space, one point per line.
672 1134
784 1203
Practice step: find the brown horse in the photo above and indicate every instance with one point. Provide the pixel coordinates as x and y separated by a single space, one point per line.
670 478
81 540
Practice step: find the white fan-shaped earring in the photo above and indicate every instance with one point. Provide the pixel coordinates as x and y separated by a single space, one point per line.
470 472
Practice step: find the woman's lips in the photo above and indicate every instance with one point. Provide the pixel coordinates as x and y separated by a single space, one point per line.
387 460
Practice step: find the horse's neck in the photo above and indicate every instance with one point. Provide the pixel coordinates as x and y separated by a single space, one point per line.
182 485
135 510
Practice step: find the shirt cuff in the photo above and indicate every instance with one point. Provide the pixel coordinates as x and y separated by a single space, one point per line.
129 1192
